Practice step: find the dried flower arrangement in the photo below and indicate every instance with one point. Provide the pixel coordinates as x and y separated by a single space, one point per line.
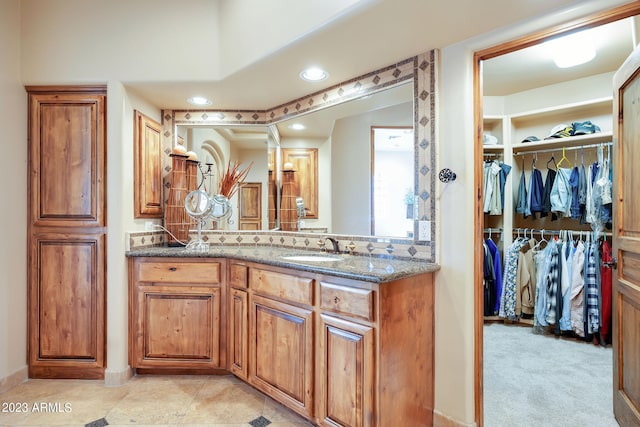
232 179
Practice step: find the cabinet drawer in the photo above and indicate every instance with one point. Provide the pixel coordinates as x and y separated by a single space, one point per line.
285 286
352 302
239 275
179 272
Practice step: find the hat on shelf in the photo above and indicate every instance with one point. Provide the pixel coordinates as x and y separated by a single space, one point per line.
560 131
488 139
584 128
531 138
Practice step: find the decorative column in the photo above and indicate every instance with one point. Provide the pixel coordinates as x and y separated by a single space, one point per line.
176 219
288 209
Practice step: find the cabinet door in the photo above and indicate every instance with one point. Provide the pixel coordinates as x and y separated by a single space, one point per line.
250 206
67 161
238 330
66 306
281 353
347 373
147 176
177 327
305 163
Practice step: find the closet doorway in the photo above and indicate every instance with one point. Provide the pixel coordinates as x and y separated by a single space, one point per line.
514 123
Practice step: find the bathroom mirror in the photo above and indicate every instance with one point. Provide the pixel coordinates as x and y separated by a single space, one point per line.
343 137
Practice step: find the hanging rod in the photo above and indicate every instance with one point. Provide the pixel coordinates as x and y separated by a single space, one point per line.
492 229
554 232
555 150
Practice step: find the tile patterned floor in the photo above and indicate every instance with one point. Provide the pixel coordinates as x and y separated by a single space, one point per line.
216 401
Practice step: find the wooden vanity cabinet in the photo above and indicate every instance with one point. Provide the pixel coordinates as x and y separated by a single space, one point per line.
375 352
281 357
175 313
340 352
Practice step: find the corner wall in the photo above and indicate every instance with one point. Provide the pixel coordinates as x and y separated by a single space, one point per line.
13 216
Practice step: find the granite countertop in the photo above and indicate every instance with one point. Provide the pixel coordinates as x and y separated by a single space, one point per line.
376 270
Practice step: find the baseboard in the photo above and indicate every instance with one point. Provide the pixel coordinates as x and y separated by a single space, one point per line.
18 377
441 420
117 378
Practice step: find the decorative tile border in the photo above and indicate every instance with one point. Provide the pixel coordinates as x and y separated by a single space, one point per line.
377 247
421 68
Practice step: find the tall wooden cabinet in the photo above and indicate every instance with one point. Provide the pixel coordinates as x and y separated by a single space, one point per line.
66 232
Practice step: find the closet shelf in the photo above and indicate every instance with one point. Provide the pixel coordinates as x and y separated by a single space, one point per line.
575 108
559 143
499 148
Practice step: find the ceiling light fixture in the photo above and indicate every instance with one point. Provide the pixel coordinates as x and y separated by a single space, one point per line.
313 74
297 126
199 101
572 50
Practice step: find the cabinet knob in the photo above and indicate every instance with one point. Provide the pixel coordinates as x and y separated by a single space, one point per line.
336 300
173 268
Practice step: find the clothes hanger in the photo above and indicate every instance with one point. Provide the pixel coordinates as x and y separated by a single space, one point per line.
542 240
552 159
564 158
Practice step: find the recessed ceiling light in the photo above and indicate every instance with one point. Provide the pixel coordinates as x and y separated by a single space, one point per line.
314 74
572 50
297 126
199 100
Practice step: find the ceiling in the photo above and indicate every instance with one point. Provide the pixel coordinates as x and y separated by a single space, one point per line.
533 67
353 44
371 35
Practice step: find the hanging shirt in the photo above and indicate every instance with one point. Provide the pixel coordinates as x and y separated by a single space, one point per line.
551 288
504 172
497 269
525 280
546 194
489 279
490 172
574 182
589 216
509 284
536 191
591 277
577 290
561 193
566 259
521 205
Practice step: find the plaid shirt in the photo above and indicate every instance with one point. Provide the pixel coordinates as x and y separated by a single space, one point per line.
591 282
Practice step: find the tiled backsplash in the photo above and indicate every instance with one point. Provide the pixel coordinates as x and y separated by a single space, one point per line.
383 247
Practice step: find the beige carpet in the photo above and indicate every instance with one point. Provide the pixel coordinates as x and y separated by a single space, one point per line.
542 380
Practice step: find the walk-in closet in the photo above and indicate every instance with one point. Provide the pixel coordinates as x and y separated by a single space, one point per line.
548 264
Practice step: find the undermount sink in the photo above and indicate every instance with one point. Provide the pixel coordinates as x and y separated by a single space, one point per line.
312 258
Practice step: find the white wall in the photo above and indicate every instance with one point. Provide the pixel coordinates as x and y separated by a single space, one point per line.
351 166
454 344
87 40
239 46
13 215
